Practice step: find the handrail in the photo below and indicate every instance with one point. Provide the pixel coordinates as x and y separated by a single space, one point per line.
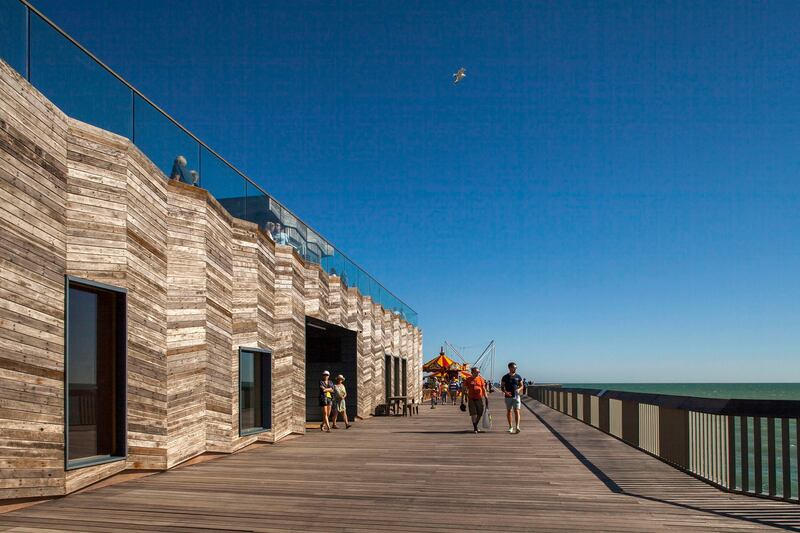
734 444
714 406
200 143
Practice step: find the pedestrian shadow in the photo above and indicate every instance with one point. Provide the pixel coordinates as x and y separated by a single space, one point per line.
759 511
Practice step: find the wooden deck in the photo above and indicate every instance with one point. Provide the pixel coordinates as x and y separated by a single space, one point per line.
425 473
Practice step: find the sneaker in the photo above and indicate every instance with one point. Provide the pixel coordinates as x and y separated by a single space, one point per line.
475 431
516 431
511 430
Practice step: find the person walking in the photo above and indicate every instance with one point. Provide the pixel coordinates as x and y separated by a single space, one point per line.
474 390
443 392
325 400
339 406
453 390
511 384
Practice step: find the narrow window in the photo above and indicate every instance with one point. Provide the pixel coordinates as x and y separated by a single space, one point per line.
255 390
397 391
404 376
95 373
387 367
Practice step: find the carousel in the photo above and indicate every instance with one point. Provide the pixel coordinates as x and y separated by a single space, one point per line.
443 369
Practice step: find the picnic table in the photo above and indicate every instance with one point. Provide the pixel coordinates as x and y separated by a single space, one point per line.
394 403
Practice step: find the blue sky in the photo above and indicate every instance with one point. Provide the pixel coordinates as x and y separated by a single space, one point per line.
611 194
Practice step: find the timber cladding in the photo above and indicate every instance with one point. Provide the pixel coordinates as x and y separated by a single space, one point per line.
77 200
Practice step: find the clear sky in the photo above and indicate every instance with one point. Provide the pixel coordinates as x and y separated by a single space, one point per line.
611 194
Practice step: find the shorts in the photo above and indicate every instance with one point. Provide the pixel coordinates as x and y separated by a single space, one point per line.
325 401
513 403
476 407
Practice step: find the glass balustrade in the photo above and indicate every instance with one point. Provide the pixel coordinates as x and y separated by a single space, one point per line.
14 35
87 90
224 183
173 150
76 83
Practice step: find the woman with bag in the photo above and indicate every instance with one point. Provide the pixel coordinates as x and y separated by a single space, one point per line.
475 388
325 400
339 405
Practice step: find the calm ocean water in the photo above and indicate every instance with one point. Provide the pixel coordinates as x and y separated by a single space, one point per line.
756 391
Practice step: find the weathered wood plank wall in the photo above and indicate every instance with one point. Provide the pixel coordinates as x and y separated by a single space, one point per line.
33 194
77 200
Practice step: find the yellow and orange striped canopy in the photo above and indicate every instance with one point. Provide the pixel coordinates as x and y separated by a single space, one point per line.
440 363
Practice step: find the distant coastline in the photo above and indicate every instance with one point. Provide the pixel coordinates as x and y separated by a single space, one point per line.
755 391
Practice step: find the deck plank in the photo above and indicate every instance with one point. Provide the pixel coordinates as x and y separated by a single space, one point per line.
409 474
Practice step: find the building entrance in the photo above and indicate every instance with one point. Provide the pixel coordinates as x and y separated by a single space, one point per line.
332 348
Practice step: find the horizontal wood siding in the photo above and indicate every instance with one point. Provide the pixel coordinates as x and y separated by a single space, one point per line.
33 191
78 200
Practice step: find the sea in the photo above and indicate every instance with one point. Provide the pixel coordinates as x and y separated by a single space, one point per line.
754 391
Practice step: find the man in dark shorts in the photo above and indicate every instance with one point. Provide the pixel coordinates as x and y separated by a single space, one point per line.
474 389
512 386
452 390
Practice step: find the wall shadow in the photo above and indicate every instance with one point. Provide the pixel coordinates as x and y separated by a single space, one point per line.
605 464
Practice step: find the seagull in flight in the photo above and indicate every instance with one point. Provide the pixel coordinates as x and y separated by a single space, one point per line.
460 75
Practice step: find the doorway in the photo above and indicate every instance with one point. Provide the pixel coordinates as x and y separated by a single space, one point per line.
332 348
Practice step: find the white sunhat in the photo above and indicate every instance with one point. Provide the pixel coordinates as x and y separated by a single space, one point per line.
326 373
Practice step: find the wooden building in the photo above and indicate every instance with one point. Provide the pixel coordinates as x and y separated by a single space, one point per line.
96 243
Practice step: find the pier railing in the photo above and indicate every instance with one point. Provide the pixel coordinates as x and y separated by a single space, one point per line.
86 89
744 446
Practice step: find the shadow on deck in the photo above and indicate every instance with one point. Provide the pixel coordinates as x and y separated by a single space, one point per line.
625 470
418 474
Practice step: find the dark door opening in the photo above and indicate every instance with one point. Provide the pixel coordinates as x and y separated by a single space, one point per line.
331 348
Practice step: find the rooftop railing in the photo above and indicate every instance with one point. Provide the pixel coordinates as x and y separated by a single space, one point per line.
86 89
744 446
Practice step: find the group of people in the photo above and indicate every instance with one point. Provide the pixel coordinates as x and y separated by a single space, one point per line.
181 173
277 232
474 394
332 396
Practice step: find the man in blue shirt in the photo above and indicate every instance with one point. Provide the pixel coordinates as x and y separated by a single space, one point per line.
512 385
453 390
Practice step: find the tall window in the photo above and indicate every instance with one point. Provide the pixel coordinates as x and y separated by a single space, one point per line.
255 390
95 373
404 376
397 391
387 367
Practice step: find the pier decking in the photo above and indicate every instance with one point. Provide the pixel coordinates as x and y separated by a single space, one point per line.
427 473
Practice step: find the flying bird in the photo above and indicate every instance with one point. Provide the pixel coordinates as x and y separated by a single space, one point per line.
460 75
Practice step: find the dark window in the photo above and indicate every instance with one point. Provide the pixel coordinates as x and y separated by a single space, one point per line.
255 390
396 374
95 373
404 376
387 367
